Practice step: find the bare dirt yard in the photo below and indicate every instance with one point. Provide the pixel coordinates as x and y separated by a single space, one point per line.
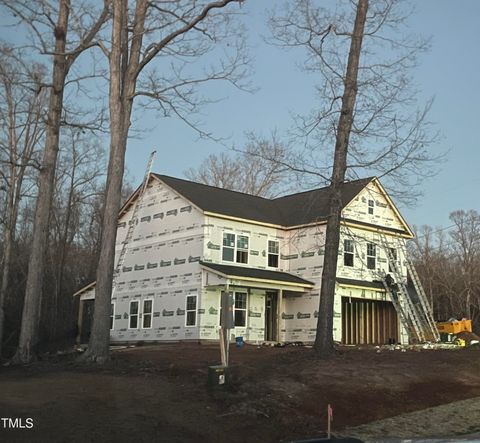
159 393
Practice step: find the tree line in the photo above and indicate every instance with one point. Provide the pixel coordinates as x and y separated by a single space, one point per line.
448 263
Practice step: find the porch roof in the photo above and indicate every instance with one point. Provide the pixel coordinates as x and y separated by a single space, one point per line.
244 273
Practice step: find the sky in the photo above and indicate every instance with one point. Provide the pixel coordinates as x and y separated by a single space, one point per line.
449 73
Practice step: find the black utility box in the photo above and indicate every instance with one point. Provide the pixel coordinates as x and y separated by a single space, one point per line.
217 375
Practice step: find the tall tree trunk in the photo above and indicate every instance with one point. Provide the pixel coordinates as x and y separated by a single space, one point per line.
324 336
10 217
123 67
33 294
17 173
8 241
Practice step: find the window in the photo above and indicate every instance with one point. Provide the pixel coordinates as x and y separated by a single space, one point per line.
393 253
273 253
348 252
191 310
371 205
240 309
147 314
228 252
235 250
133 319
371 255
112 315
242 249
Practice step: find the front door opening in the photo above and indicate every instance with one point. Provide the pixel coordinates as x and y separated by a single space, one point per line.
271 299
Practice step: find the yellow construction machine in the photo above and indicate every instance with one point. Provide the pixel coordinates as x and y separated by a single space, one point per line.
449 329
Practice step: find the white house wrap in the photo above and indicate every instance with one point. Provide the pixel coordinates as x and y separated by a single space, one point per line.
192 241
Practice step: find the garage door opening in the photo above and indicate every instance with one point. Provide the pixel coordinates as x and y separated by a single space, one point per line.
368 322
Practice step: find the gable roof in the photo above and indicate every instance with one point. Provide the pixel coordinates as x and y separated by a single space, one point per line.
290 210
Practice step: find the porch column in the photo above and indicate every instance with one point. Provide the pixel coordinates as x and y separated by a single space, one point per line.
279 312
79 321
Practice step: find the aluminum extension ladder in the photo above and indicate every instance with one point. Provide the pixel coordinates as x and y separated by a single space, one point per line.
418 319
430 326
132 223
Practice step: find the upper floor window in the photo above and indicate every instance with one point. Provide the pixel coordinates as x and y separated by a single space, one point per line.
393 254
371 255
235 248
242 249
228 252
371 206
348 252
273 250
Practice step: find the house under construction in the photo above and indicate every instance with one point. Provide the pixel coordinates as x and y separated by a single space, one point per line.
180 244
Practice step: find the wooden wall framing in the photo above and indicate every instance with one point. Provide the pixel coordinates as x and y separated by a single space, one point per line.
368 322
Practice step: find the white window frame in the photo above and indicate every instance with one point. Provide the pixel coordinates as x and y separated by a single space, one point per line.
137 314
371 207
149 313
240 309
235 247
242 250
374 256
229 247
348 252
272 253
191 310
394 252
112 316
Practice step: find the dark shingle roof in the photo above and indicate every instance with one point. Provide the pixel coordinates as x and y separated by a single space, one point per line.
262 274
290 210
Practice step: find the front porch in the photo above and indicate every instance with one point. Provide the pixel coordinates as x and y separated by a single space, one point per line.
259 300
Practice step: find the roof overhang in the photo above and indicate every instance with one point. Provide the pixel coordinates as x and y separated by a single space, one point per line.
266 279
360 284
85 289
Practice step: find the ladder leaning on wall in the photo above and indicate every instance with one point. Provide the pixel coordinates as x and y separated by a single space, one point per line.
132 223
415 315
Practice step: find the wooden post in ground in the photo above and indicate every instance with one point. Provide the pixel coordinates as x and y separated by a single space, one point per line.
279 312
80 321
222 346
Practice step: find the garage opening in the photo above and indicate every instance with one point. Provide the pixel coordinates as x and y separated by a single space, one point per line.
368 322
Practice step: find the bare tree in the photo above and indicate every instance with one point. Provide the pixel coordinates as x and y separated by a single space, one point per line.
448 266
78 174
21 130
256 169
45 21
466 248
364 121
174 34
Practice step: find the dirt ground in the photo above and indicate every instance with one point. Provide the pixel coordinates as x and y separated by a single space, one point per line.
159 393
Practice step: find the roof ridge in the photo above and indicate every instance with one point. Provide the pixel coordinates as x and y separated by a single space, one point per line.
258 196
325 187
